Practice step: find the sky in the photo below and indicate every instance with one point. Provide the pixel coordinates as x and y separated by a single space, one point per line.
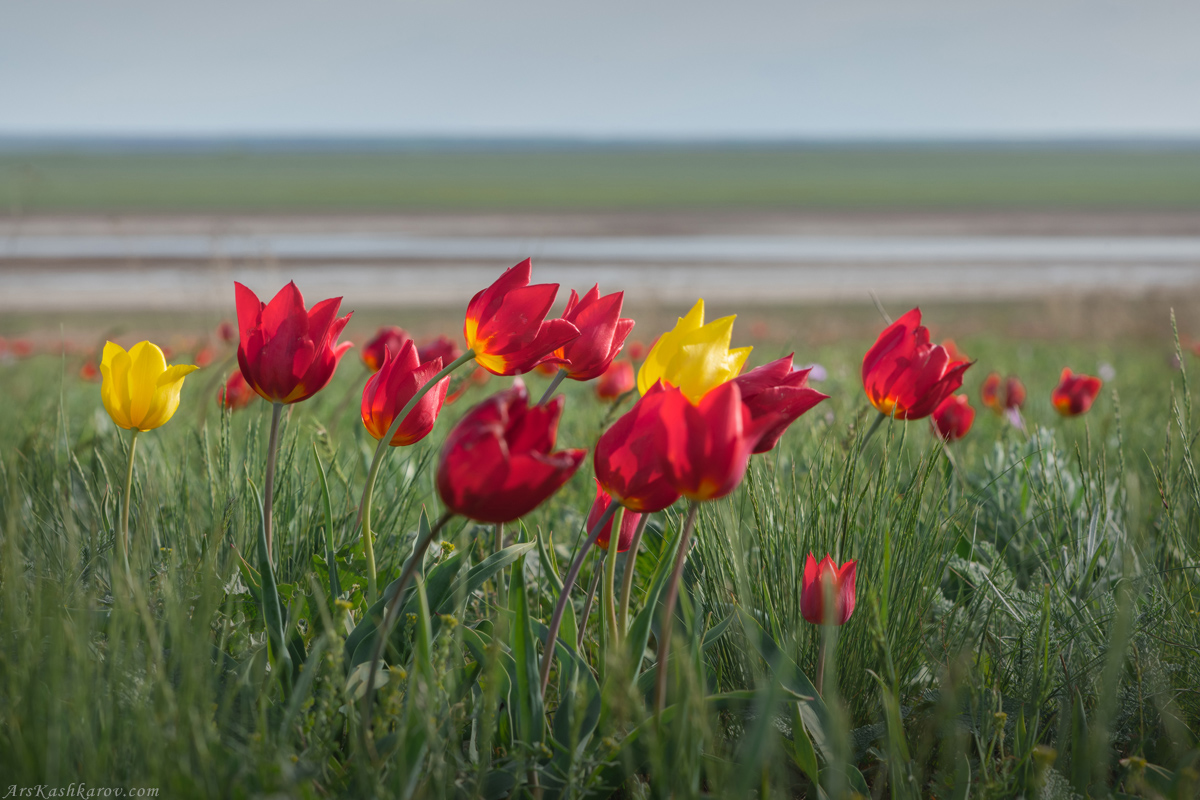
617 69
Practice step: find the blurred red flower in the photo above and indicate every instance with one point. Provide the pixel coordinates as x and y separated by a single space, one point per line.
388 337
1074 394
236 393
616 380
952 419
629 522
497 464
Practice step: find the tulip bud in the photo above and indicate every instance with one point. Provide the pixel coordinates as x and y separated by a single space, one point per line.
823 578
952 419
388 337
616 381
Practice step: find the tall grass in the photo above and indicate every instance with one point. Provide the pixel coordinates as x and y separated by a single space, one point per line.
1027 620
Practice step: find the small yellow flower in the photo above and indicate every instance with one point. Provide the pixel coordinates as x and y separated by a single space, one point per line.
693 356
139 389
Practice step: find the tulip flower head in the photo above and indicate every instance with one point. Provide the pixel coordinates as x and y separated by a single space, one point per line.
288 354
236 393
952 419
390 389
629 522
1074 394
602 334
777 389
628 456
616 380
1001 395
388 337
497 464
442 347
707 447
904 375
139 390
693 357
820 579
506 323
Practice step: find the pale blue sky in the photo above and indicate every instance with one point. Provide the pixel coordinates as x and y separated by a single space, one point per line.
618 68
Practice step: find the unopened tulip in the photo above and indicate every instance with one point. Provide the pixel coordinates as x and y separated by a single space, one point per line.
139 390
387 338
442 347
389 389
629 522
602 334
827 577
629 456
506 325
904 375
778 390
288 354
708 446
952 419
616 380
693 356
497 464
1075 394
236 393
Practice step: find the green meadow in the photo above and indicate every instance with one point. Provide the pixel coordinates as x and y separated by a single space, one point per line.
629 177
1027 620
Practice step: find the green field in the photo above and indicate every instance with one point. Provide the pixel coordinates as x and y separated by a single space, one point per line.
1028 617
945 177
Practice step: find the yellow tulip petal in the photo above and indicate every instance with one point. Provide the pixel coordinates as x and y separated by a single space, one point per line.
114 388
166 396
655 367
148 364
693 356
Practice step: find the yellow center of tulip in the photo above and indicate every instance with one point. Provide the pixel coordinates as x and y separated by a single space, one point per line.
693 356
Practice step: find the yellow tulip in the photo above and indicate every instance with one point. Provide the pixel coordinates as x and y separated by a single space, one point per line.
140 391
693 356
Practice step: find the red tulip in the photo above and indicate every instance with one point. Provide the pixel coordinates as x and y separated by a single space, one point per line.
602 334
236 393
616 380
89 371
288 354
506 323
629 522
777 390
637 350
1001 396
707 447
1074 394
442 347
904 375
390 389
387 338
204 356
497 464
21 348
226 332
628 456
813 587
952 419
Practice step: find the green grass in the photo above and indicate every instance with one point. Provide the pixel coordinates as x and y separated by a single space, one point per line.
635 177
1026 622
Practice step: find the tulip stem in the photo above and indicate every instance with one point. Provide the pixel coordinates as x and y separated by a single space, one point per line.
558 378
627 577
610 574
269 482
871 431
565 595
501 592
587 608
369 490
664 644
392 610
823 638
125 508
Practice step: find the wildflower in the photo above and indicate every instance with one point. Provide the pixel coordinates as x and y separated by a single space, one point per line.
904 375
693 357
392 386
820 578
1074 394
139 390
